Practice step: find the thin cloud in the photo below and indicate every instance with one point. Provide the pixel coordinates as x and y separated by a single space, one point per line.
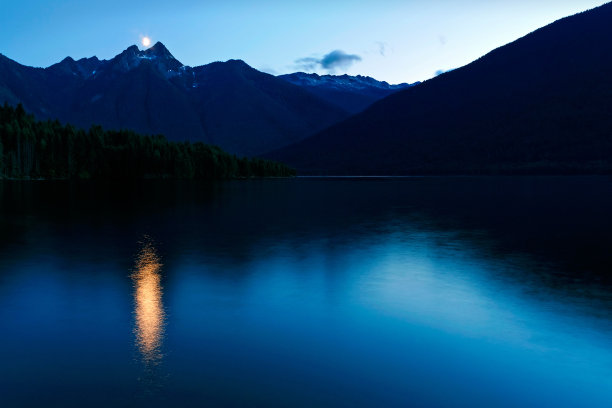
331 62
382 48
308 64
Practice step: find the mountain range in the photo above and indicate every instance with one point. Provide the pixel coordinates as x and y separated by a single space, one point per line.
542 104
352 93
228 104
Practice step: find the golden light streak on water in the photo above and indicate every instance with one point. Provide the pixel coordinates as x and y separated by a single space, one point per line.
149 310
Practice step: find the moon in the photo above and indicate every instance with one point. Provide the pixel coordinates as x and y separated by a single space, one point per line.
146 41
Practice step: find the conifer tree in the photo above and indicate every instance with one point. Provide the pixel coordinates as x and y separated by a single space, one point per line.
32 149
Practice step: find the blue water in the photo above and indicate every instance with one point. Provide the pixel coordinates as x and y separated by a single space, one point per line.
441 292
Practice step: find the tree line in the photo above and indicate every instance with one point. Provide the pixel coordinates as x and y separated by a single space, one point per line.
48 149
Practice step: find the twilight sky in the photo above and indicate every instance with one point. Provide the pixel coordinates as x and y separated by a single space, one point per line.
392 40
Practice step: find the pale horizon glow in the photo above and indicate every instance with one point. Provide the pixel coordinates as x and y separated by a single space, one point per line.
392 40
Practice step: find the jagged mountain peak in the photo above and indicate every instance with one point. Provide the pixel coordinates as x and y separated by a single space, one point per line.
159 50
352 93
132 49
156 50
158 55
84 67
361 81
90 59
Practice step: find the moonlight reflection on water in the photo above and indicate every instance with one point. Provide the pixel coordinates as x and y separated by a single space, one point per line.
149 309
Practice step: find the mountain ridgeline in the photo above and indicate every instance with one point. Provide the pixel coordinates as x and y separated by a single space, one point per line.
351 93
542 104
34 149
228 104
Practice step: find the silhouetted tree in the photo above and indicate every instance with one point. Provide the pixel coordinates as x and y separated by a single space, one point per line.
35 149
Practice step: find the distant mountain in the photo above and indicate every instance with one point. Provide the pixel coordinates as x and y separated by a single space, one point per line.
351 93
540 104
228 104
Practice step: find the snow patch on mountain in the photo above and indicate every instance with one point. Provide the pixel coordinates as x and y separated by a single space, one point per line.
344 82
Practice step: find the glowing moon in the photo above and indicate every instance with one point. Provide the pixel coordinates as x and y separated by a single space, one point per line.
146 41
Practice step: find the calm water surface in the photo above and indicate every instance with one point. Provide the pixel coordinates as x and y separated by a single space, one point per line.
441 292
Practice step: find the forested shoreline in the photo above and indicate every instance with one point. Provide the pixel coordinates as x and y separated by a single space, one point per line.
33 149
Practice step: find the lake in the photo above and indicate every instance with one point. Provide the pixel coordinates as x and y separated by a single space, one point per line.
307 292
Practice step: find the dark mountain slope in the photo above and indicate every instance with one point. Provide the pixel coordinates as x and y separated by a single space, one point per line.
34 87
226 103
540 104
272 112
352 93
141 99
